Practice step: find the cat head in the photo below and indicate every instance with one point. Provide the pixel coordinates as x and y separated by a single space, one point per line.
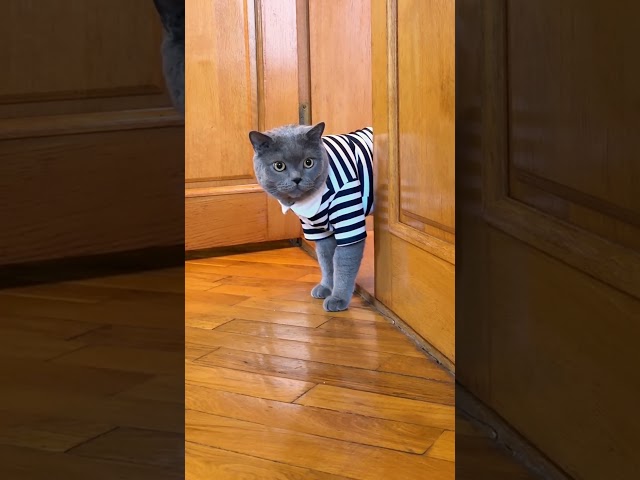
290 162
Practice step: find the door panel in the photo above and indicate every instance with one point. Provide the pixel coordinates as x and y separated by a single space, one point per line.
85 99
546 167
413 107
340 64
222 91
242 75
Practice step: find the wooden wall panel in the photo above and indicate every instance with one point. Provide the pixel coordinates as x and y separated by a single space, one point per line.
548 309
87 131
425 120
222 92
340 56
89 180
242 75
83 49
557 110
414 268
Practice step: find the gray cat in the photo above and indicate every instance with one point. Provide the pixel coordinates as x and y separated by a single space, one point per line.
328 182
172 16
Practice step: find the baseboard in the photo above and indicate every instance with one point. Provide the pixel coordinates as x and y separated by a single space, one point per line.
406 330
506 436
245 248
91 266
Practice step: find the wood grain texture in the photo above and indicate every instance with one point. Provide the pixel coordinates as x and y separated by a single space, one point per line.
250 369
340 56
86 397
576 226
242 75
414 269
221 91
80 209
69 69
310 451
535 282
80 120
426 104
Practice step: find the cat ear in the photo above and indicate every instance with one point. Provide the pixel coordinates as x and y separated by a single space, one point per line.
260 141
315 133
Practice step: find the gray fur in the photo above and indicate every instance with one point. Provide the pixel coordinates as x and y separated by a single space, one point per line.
292 144
172 16
339 266
325 249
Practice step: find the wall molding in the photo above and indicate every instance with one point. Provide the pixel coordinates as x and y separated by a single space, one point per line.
431 244
78 123
614 264
496 428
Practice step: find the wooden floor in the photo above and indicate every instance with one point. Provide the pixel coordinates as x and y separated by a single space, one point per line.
278 388
92 380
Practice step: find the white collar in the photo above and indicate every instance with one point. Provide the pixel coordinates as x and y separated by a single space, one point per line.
308 207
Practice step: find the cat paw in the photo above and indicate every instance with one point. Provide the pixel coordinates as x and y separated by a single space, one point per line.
335 304
320 291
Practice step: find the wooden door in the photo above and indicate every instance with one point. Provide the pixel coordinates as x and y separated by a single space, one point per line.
413 124
85 117
338 73
241 75
548 133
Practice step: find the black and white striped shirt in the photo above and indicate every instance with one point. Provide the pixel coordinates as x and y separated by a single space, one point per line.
341 206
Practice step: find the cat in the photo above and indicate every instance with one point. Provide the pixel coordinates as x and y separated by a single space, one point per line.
172 17
328 182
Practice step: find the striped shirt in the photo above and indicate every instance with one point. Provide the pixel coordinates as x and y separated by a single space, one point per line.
340 207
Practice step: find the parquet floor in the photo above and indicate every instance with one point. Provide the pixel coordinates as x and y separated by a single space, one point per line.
277 388
92 382
91 379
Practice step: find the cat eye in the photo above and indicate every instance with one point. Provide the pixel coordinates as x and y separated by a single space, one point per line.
308 163
279 166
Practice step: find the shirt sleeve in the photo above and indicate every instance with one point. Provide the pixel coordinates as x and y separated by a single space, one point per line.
346 215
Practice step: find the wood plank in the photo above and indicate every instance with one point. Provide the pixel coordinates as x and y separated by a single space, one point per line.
164 388
21 345
203 461
355 378
125 359
445 447
236 381
415 367
310 451
325 353
260 315
54 327
390 342
352 428
380 406
313 308
70 378
249 269
68 291
30 464
138 446
92 406
304 296
194 301
162 339
52 434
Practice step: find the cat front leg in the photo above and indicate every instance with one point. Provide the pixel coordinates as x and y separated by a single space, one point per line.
346 263
325 249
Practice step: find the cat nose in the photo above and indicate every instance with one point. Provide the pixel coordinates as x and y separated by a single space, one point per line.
297 180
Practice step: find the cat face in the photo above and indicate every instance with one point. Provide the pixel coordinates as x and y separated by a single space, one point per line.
290 162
